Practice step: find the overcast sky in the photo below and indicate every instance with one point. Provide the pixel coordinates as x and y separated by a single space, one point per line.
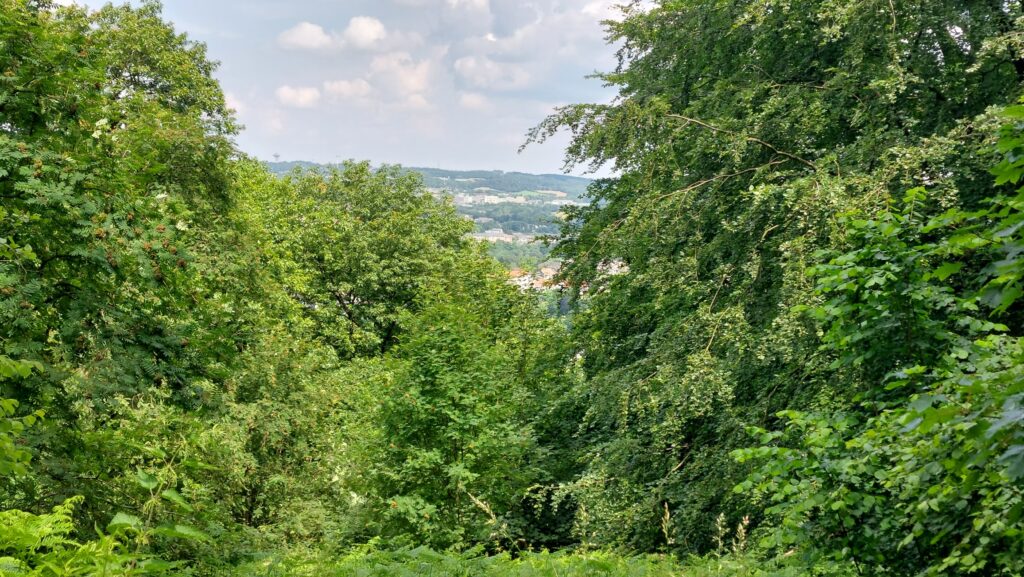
436 83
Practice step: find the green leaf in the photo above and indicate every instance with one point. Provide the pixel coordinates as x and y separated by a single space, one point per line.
12 566
147 481
1015 112
1007 297
182 532
176 498
947 270
124 521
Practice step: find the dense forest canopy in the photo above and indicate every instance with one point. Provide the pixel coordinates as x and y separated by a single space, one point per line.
794 344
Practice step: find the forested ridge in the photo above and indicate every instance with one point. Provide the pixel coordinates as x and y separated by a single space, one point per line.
473 180
794 346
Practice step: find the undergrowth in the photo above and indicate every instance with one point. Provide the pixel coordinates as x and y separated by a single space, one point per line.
426 562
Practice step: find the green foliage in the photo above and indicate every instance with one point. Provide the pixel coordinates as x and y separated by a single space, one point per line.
923 477
454 459
245 373
114 263
446 449
422 561
518 255
207 335
95 188
40 545
515 218
889 305
13 459
361 244
742 133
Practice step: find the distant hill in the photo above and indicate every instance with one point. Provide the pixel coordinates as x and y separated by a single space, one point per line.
289 165
499 181
469 181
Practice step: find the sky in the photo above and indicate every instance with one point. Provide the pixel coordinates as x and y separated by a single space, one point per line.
436 83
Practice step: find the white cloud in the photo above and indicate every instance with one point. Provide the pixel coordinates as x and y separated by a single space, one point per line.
401 74
602 9
553 36
469 4
474 101
305 36
416 102
298 97
449 4
364 32
482 72
419 78
361 33
348 89
234 103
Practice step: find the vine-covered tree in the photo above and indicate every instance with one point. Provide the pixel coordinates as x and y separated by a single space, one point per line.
741 132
